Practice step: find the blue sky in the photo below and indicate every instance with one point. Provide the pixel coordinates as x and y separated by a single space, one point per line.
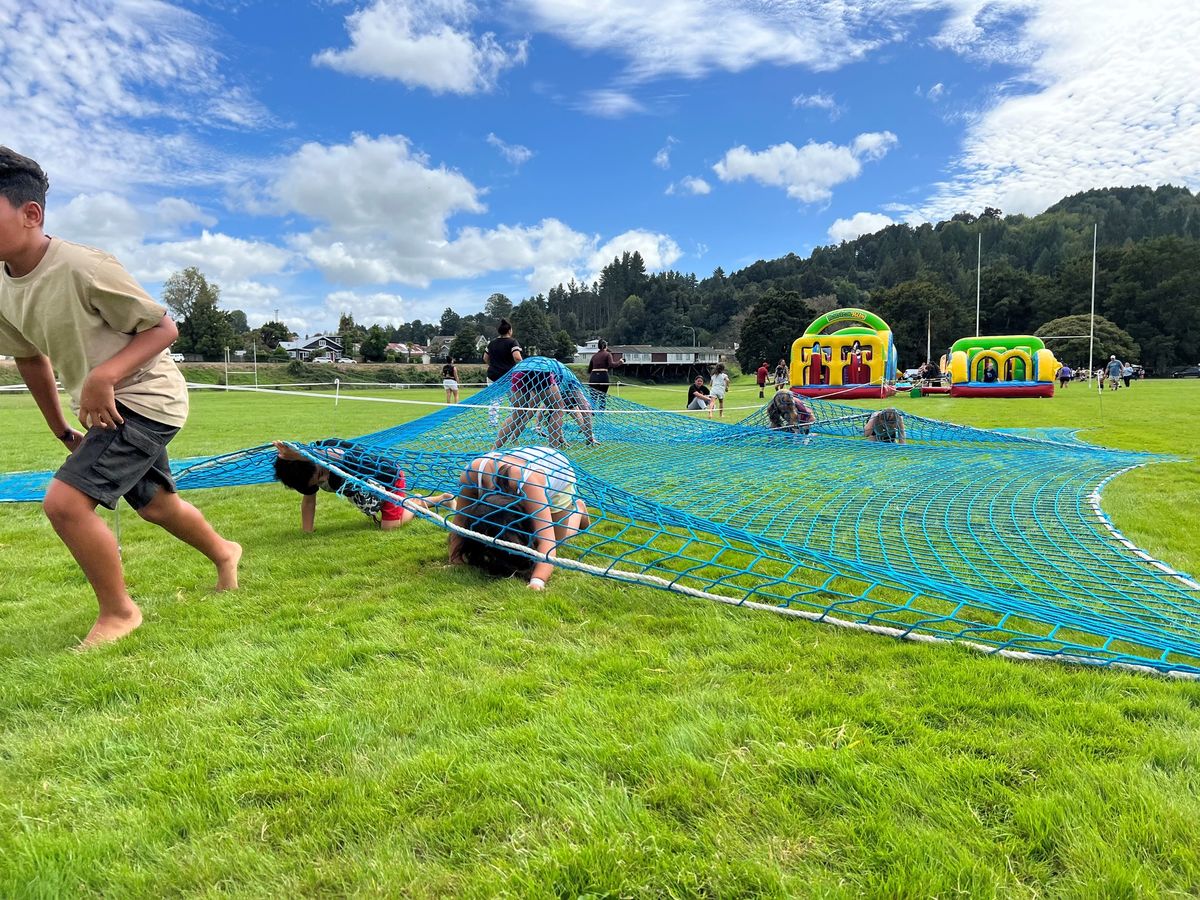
390 158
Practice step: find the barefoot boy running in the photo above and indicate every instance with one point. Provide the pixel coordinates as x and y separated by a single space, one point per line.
76 309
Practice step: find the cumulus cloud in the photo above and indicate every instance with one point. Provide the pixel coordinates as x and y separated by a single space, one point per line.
658 251
516 154
689 185
858 224
381 214
423 44
819 101
369 308
807 173
1074 123
111 94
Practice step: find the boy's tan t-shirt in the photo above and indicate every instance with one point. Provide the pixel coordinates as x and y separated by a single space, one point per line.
80 308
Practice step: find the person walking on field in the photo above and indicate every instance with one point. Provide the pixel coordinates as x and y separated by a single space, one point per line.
66 306
762 375
1113 371
720 387
1127 373
500 356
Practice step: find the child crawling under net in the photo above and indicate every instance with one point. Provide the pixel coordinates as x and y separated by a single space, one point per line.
523 496
304 476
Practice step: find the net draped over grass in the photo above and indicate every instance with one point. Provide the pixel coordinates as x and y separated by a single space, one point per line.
984 537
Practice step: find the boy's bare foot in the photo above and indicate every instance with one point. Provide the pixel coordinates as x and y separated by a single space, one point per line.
227 568
110 627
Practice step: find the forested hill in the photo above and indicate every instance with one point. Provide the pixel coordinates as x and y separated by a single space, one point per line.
1035 269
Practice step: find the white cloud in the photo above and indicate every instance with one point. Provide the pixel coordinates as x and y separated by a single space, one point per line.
873 145
819 101
658 251
1110 96
689 185
516 154
662 158
858 224
368 309
106 94
610 104
936 92
808 173
382 212
423 43
693 37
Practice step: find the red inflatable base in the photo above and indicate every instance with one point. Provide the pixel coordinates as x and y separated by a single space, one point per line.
938 389
845 391
1003 390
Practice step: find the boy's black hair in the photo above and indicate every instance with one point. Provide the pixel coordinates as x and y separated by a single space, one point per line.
22 179
505 327
296 474
497 515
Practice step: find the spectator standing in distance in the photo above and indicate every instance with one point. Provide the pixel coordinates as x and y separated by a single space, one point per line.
781 375
762 375
450 380
599 368
502 353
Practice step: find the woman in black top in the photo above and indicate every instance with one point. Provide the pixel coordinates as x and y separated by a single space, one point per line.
450 380
502 353
601 363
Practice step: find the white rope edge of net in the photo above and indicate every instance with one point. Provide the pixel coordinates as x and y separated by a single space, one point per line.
820 618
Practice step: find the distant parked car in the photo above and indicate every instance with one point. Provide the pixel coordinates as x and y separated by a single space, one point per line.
1187 372
178 357
910 374
346 361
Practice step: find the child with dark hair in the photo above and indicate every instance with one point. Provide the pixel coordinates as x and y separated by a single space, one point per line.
789 412
75 309
523 496
306 477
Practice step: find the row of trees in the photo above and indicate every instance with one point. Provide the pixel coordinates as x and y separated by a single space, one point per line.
1035 270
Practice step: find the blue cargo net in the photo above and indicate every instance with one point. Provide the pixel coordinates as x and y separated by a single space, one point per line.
990 539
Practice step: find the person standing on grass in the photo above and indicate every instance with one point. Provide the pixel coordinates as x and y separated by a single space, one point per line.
1127 373
720 387
781 375
599 366
1113 371
450 381
761 376
502 353
66 306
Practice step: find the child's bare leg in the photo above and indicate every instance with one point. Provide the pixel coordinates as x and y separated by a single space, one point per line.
170 512
72 513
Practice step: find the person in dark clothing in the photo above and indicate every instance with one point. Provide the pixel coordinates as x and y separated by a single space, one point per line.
502 353
599 367
699 396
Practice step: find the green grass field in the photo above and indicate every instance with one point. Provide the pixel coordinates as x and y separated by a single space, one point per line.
361 719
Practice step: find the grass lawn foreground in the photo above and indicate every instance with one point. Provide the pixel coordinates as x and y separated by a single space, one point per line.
361 719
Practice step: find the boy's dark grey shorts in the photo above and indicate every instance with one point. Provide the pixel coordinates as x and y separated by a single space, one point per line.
128 461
